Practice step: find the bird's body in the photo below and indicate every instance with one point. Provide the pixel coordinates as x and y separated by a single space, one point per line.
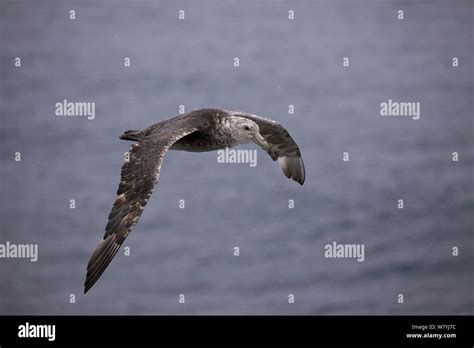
197 131
216 135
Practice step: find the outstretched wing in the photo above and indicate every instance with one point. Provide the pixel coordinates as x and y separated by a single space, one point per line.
282 147
139 175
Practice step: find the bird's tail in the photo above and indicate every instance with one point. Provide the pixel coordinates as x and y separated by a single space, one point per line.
134 135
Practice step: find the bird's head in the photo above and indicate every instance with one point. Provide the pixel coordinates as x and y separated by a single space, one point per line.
246 131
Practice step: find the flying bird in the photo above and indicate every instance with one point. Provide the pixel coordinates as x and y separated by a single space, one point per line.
197 131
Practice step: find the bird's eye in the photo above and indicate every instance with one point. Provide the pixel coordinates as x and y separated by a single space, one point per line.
246 128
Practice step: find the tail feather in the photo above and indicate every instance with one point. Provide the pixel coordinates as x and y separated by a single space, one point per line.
134 135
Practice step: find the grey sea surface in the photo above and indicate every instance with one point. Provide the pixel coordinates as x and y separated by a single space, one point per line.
283 62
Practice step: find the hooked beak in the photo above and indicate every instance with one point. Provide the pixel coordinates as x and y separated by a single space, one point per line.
260 140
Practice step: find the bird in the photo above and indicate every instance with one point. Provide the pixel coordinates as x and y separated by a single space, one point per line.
199 130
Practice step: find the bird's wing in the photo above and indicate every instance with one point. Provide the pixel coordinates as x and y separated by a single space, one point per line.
139 175
282 147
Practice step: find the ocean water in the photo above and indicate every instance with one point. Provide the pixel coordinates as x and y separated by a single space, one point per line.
189 62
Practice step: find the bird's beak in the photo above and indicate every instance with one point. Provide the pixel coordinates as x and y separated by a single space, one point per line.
260 140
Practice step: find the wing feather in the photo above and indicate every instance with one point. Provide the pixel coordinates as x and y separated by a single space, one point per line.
139 175
282 147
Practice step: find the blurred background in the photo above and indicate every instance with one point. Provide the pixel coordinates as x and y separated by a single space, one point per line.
190 62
